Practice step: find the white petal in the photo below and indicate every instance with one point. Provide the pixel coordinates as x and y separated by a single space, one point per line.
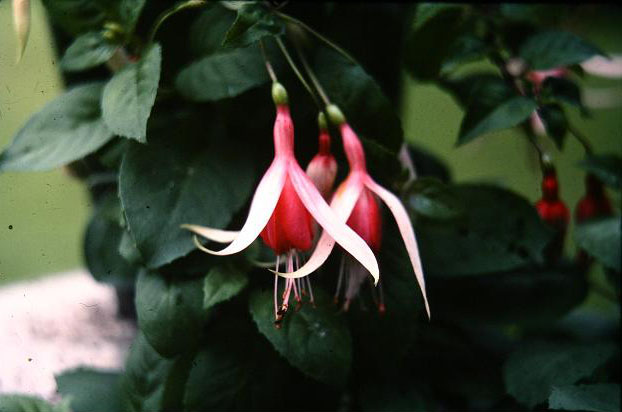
603 66
406 230
215 235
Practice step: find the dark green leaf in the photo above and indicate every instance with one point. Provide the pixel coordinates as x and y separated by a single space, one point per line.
151 382
170 312
479 91
508 114
599 397
533 370
222 283
555 122
607 168
127 248
314 340
561 89
88 50
252 23
465 49
601 239
222 75
553 48
66 129
526 296
101 245
430 198
25 403
433 34
203 186
130 94
365 106
90 390
499 231
76 16
208 30
129 11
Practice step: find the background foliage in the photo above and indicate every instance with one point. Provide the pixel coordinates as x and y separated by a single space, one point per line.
157 141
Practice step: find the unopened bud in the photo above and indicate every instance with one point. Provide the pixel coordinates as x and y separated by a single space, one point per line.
335 115
279 94
321 121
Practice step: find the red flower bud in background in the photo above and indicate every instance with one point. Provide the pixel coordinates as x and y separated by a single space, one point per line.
553 211
322 169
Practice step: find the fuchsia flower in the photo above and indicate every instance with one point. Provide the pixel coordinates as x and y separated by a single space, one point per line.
355 202
322 169
282 211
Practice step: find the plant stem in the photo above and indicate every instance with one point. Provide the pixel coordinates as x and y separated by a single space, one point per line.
168 13
295 69
267 62
313 77
318 35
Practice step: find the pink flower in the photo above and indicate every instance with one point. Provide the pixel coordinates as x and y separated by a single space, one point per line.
322 169
281 210
355 202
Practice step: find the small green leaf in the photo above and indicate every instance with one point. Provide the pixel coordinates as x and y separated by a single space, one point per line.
314 340
208 30
508 114
222 283
465 49
130 94
129 12
601 239
222 75
367 109
170 312
533 370
252 23
555 122
66 129
481 91
598 397
87 51
202 185
91 390
563 90
25 403
553 48
151 382
607 167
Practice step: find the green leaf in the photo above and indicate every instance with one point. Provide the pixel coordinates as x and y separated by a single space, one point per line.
601 239
499 231
479 91
151 382
101 246
365 106
314 340
554 48
563 90
555 122
429 197
432 36
87 51
202 185
66 129
25 403
607 167
130 94
222 283
90 390
599 397
129 12
170 312
222 75
209 29
253 23
465 49
527 296
532 371
508 114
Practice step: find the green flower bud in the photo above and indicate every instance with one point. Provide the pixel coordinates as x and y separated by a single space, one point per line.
321 121
335 115
279 94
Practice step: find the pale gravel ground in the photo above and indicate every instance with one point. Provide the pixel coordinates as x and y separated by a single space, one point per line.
57 323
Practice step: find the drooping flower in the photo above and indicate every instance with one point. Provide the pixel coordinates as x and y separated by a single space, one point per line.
282 211
355 201
553 211
322 169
